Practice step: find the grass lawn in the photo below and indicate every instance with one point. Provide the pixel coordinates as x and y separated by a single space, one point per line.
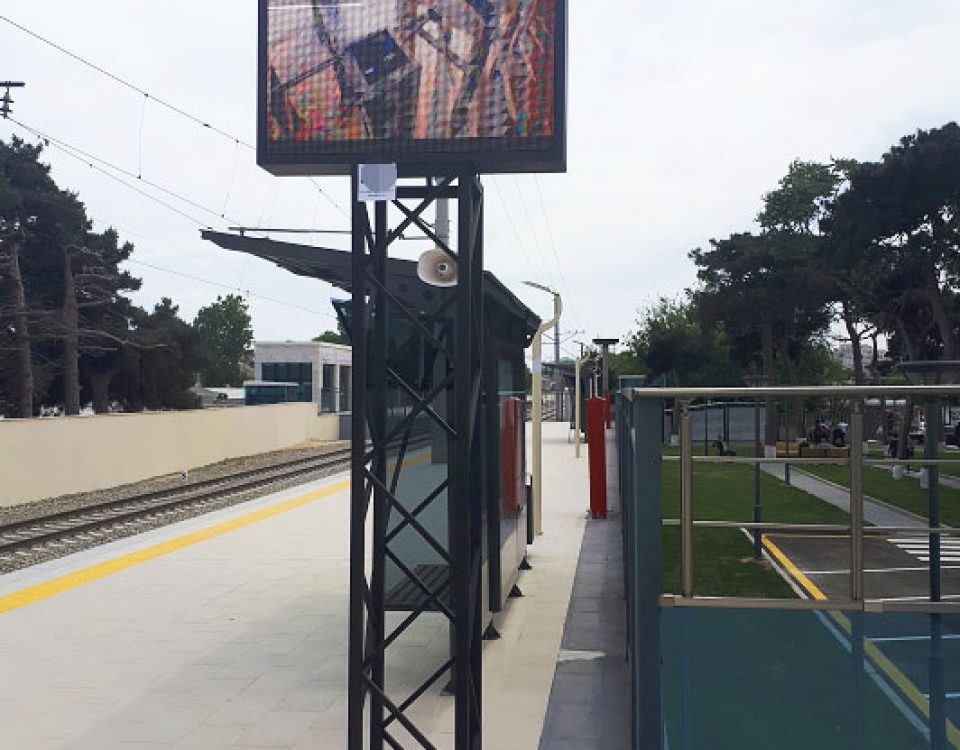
904 493
723 558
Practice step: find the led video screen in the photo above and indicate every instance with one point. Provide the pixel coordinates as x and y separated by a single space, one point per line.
422 83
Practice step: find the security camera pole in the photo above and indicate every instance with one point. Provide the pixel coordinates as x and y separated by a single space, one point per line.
537 418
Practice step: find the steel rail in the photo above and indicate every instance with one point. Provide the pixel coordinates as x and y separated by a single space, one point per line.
44 530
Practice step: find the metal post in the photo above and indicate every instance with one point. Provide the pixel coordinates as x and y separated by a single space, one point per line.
686 502
373 495
536 467
757 509
858 672
464 492
556 364
378 429
645 573
856 502
938 709
706 426
786 466
358 583
931 444
606 372
576 407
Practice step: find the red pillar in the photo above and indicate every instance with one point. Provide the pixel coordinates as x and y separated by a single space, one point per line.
596 419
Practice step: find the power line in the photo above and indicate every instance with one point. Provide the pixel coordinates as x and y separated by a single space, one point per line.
86 160
241 290
123 82
158 100
78 152
516 232
546 221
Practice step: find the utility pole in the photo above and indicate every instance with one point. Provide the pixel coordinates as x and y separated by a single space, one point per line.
6 101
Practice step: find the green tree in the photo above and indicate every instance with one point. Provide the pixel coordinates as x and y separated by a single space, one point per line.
333 337
60 284
897 231
672 342
772 291
159 370
226 341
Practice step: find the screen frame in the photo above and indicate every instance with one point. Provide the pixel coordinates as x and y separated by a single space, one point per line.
291 159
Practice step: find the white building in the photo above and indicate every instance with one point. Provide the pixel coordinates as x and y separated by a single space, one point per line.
844 354
321 371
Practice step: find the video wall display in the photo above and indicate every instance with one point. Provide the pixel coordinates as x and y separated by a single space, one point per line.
417 82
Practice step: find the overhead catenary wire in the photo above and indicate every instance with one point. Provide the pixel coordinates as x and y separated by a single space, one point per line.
156 99
92 161
533 231
513 225
553 244
241 290
82 157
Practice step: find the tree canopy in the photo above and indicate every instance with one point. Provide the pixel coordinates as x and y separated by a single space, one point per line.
226 338
872 249
68 334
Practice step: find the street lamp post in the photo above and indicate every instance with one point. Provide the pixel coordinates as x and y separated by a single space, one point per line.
537 417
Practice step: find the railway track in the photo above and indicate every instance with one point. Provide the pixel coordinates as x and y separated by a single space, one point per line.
61 533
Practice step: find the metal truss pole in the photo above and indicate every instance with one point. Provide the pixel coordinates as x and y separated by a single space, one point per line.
456 594
356 690
466 546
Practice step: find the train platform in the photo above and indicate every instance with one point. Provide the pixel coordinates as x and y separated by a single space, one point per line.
230 631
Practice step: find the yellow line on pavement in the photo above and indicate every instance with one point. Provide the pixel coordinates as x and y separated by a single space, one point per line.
47 589
55 586
897 677
808 585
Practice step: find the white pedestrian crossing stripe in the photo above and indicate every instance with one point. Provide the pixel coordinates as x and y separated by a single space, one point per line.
919 548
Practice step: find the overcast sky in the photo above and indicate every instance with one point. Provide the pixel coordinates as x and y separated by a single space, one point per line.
682 114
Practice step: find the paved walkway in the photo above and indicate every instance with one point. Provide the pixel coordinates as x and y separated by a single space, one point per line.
589 704
230 631
874 511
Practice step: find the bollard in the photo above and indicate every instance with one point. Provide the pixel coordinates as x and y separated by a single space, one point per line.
596 419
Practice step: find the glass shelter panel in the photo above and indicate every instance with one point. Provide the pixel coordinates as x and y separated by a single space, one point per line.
795 680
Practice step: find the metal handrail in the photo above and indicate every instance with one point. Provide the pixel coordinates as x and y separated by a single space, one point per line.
640 438
762 526
760 460
814 461
823 605
919 531
849 391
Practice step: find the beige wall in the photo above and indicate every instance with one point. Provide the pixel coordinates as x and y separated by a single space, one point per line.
49 457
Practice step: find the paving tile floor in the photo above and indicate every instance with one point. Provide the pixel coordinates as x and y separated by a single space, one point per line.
589 702
239 639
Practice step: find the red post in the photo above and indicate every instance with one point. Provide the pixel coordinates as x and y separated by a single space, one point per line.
596 418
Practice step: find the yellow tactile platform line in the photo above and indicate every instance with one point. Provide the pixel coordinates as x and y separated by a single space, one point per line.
55 586
898 678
